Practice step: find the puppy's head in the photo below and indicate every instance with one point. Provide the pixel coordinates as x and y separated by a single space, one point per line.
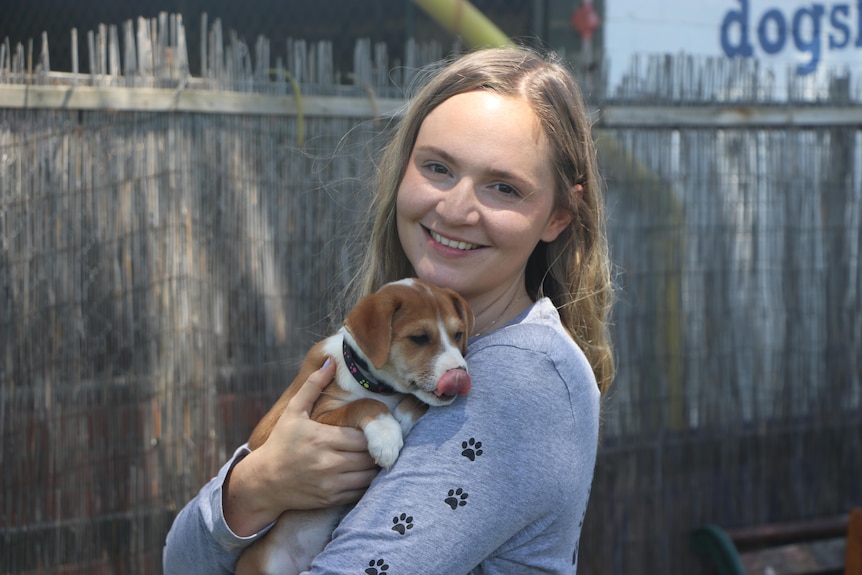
414 335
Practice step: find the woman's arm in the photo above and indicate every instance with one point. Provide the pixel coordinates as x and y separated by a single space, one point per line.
303 465
500 478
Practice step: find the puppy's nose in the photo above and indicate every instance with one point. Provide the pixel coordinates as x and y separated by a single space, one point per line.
453 382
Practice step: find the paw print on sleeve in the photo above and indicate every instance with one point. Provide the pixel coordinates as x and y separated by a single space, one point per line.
472 449
457 498
378 567
401 523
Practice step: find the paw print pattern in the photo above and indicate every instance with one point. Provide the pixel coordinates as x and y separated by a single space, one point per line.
457 498
402 523
472 449
378 567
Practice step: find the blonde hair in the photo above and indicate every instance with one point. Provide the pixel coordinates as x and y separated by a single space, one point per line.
573 270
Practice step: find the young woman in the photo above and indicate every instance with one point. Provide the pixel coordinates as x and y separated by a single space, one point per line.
489 186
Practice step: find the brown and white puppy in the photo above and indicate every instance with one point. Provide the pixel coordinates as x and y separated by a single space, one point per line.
400 350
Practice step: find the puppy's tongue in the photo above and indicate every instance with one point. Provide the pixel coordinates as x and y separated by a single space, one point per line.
453 382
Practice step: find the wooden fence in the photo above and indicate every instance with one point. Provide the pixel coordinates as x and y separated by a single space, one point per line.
170 245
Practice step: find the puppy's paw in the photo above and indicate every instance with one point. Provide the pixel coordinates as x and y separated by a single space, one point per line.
384 440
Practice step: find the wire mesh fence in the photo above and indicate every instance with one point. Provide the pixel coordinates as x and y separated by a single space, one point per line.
737 330
155 268
164 267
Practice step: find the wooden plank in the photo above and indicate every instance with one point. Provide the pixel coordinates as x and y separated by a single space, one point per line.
816 557
790 532
853 556
203 100
191 100
726 116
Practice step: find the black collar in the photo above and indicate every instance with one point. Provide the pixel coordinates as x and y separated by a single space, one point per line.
359 370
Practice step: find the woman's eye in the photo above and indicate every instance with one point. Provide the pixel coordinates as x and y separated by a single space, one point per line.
507 190
436 168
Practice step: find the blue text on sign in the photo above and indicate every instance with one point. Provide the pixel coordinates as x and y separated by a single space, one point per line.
804 27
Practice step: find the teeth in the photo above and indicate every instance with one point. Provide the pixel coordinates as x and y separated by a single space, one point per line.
451 243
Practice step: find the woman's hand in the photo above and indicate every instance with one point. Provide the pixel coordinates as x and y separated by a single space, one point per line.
302 465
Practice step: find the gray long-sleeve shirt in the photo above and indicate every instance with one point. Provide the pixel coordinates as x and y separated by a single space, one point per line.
497 483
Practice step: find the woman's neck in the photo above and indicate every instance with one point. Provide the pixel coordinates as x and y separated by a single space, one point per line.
496 310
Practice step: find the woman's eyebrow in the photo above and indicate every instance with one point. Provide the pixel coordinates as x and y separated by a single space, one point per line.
444 155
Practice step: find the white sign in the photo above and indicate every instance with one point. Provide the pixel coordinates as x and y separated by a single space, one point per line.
808 37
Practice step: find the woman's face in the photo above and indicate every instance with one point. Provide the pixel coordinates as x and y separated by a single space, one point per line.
478 195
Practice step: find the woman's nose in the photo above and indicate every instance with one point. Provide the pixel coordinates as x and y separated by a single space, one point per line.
459 204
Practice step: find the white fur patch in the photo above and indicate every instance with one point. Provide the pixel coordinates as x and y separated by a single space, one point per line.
297 538
450 355
384 440
404 282
407 419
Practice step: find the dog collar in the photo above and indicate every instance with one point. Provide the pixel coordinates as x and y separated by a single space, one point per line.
359 370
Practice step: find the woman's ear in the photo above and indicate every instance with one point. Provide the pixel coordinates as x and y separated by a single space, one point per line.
559 220
562 217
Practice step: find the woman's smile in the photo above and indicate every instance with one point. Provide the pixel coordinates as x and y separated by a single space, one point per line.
452 243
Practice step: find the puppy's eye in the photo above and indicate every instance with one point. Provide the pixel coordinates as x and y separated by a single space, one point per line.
420 339
459 336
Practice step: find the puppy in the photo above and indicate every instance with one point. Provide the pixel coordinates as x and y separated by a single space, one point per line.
400 350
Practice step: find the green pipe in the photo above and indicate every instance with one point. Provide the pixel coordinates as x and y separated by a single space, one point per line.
713 541
463 19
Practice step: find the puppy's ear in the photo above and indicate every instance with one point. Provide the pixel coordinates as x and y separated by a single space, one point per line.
466 315
370 324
